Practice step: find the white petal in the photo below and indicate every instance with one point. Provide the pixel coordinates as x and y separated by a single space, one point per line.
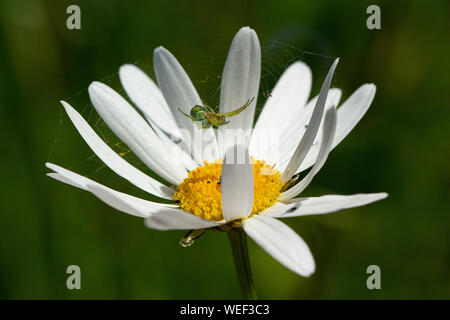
321 205
288 97
294 129
118 200
329 130
132 129
237 184
240 77
179 92
175 85
240 82
282 111
113 160
348 115
62 179
281 242
177 219
313 127
291 138
148 98
352 111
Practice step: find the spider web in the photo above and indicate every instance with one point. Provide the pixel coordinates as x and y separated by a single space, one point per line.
278 52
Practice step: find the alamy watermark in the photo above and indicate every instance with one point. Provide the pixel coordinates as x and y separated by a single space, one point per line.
374 280
74 19
374 20
74 280
214 144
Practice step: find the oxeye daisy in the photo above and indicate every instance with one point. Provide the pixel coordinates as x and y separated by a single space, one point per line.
214 182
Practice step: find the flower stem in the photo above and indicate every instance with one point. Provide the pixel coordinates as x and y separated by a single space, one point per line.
238 242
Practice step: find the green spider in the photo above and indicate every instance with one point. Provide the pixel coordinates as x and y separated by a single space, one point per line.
205 117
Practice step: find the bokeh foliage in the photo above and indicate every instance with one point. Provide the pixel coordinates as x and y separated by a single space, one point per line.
401 147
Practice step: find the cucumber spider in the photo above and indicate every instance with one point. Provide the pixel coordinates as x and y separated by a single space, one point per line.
205 117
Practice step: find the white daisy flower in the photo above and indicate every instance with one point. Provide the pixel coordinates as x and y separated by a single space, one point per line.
210 193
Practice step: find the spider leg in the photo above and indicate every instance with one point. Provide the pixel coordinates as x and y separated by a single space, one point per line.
208 107
239 110
187 115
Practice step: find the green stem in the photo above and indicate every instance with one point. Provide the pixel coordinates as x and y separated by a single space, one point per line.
238 242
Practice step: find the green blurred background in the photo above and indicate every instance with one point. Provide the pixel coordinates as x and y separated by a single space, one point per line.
401 147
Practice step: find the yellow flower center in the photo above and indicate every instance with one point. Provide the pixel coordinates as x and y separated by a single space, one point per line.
200 193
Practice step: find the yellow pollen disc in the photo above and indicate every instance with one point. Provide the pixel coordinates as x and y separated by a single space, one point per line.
200 193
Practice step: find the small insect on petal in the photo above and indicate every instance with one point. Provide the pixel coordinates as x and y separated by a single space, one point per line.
290 182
